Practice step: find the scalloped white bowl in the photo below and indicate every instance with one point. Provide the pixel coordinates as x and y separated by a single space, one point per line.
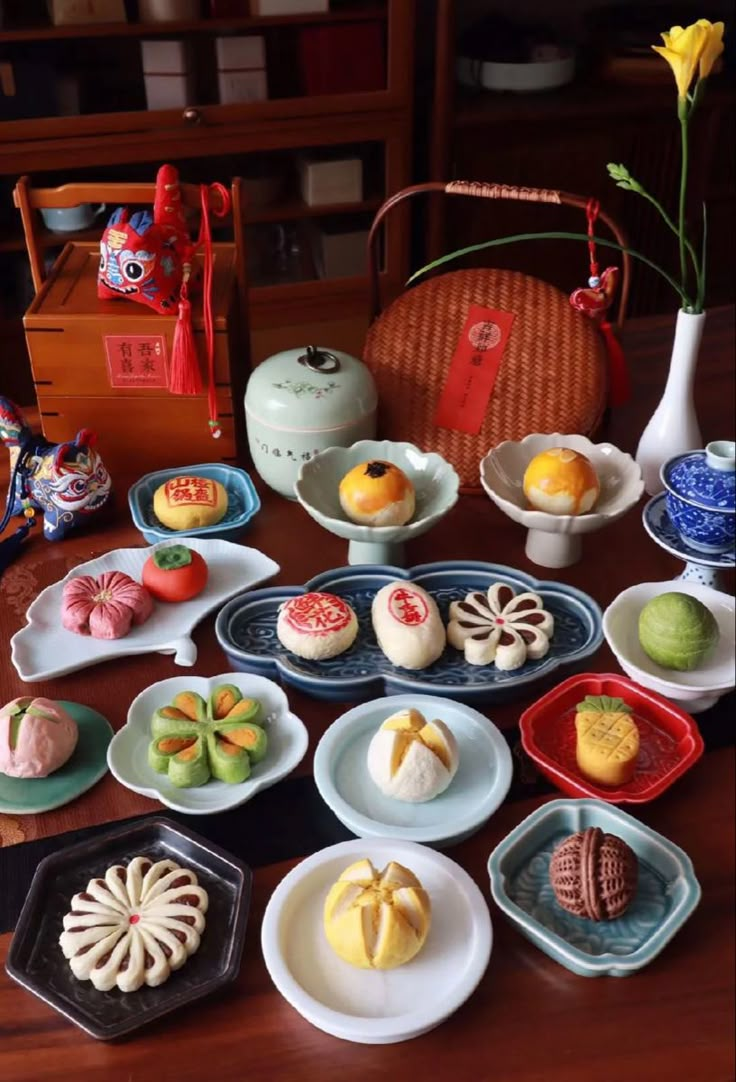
127 754
554 540
435 483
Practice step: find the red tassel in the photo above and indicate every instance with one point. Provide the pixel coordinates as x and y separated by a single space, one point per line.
185 376
619 384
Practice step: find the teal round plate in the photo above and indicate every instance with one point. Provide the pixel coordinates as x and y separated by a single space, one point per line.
28 796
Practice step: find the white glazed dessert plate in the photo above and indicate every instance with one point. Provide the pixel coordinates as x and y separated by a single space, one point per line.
478 788
371 1006
694 691
43 648
554 540
435 483
127 755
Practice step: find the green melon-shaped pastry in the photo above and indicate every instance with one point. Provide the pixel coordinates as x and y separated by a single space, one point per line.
222 700
228 761
190 766
246 735
191 704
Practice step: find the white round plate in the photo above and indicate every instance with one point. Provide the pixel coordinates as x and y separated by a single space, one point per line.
479 787
127 755
365 1005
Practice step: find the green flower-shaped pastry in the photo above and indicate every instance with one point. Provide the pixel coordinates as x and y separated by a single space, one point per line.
194 740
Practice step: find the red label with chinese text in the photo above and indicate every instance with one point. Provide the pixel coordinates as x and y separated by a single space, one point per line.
190 490
473 370
407 606
317 614
136 360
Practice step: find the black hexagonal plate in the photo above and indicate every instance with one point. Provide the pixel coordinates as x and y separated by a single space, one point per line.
35 959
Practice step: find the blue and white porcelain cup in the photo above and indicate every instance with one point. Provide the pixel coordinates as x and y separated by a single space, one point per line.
701 496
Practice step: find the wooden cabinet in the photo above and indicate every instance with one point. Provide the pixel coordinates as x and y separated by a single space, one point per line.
290 303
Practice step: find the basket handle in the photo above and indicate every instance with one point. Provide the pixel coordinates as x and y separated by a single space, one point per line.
486 190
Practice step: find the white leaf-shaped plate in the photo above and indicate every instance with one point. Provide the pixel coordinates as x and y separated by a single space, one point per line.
127 755
43 648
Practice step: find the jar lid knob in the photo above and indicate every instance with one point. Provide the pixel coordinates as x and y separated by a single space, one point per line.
319 360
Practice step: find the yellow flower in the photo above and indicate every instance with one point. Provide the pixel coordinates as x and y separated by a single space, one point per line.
712 48
682 50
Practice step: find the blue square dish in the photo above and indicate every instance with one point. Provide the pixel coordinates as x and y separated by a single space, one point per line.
667 890
242 502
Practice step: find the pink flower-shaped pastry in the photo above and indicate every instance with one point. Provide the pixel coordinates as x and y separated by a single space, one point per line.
105 607
37 736
500 626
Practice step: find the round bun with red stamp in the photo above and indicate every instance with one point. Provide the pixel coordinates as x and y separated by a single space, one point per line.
408 625
316 626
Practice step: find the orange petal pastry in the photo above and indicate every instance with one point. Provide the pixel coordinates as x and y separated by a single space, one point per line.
562 482
377 494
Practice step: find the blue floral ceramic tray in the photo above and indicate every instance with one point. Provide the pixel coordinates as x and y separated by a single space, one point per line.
667 890
246 630
242 502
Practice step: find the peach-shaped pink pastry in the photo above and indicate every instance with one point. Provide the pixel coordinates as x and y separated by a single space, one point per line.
106 607
37 736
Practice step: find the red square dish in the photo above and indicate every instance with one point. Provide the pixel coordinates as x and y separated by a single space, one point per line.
669 739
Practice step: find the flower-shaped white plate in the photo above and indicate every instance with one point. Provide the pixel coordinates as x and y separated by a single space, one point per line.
43 648
554 540
366 1005
479 786
435 484
127 755
693 691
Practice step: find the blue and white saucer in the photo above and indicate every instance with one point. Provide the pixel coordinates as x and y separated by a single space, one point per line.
699 566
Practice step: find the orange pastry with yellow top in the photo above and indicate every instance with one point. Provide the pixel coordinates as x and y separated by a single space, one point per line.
561 481
377 494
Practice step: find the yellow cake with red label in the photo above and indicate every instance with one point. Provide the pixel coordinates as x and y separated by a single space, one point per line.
186 503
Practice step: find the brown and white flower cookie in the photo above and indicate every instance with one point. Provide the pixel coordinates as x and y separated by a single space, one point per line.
500 626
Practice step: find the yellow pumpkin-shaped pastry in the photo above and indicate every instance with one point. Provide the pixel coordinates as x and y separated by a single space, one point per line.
186 503
377 920
377 494
561 481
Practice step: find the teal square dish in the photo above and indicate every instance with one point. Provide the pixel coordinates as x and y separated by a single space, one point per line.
667 890
243 502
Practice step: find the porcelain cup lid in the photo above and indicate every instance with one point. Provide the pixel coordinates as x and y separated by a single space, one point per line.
704 478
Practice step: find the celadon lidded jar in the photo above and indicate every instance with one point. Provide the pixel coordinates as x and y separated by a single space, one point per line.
301 401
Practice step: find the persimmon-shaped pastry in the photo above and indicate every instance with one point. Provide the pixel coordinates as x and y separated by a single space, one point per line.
377 494
106 607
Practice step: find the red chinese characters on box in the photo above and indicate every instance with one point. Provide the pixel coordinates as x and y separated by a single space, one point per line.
136 360
474 369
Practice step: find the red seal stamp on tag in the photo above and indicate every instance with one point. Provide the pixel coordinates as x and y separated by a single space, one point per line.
407 607
484 335
317 614
474 368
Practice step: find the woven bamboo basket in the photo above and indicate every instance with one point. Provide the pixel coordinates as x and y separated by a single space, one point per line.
553 377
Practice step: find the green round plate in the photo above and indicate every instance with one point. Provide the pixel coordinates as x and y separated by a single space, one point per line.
27 796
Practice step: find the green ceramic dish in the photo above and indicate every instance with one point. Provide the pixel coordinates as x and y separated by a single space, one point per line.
28 796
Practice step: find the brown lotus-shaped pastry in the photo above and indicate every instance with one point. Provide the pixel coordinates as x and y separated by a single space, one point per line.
106 607
594 875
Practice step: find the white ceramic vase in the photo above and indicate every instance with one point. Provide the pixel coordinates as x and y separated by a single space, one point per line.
673 427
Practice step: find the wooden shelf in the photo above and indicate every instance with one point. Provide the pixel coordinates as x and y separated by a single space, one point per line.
190 26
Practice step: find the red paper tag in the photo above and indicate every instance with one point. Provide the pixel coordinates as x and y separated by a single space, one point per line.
473 370
136 360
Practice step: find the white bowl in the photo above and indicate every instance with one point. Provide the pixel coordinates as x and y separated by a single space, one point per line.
371 1006
435 484
127 755
554 540
693 691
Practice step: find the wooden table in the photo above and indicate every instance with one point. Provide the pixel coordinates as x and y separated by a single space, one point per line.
530 1019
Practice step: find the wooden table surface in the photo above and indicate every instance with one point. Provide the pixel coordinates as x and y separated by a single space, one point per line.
530 1019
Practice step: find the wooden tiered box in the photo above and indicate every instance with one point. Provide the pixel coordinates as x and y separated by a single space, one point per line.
104 365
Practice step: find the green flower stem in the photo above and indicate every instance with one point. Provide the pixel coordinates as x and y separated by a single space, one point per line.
701 283
687 303
682 110
688 244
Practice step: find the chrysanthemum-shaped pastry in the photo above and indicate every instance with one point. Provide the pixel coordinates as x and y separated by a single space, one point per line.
105 607
500 626
135 926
